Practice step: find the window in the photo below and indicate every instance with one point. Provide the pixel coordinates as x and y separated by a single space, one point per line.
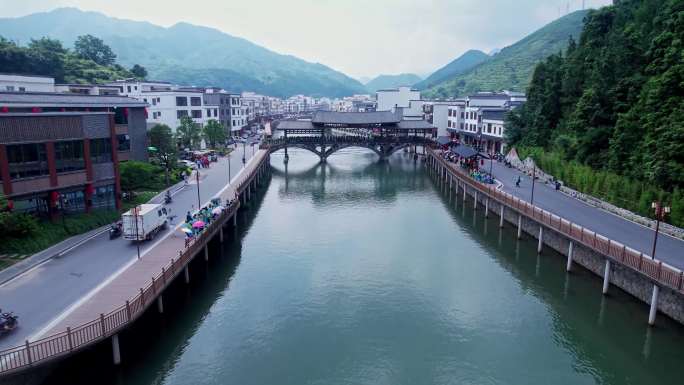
135 88
208 112
448 123
462 113
196 114
10 88
129 89
101 150
27 160
195 101
154 101
69 156
22 89
489 128
215 112
181 101
120 116
181 113
124 143
103 197
461 125
145 100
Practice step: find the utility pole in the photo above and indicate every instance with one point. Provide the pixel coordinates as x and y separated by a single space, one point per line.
137 234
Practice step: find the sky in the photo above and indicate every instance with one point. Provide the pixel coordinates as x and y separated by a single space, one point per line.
362 38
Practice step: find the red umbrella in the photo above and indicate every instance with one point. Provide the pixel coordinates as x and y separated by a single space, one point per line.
198 224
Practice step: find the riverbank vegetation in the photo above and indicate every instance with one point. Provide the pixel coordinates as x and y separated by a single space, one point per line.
606 116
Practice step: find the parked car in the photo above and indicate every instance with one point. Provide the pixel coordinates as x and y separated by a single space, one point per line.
187 163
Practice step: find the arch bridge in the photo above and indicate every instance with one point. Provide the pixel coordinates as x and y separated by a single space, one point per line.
327 132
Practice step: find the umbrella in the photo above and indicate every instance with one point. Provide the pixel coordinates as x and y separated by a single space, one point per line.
198 224
186 230
217 210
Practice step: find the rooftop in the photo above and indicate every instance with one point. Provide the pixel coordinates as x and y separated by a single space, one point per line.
51 99
355 118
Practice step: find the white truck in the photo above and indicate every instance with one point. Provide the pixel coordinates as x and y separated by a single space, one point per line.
151 218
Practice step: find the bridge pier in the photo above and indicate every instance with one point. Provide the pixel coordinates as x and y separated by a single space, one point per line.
221 234
160 304
486 215
540 242
568 266
235 220
606 277
116 351
206 250
501 217
186 272
654 305
519 226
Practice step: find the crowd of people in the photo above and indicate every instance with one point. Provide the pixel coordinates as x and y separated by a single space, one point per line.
470 165
196 223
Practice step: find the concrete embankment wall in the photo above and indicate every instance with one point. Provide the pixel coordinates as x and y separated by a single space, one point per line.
668 301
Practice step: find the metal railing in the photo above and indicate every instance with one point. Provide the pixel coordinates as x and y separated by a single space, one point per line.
106 325
654 269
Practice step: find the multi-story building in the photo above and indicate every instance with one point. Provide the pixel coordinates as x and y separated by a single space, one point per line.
87 89
401 97
237 115
26 83
61 152
479 119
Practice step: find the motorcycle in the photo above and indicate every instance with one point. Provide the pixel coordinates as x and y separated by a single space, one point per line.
115 230
167 198
8 322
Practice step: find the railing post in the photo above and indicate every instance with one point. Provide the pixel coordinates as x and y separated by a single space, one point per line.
163 275
660 268
681 278
128 311
142 297
28 353
624 253
154 289
69 341
102 324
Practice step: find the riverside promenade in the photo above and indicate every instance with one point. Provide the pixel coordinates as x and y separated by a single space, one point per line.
124 297
651 280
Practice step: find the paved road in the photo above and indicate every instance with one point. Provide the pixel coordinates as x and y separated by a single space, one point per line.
43 293
638 237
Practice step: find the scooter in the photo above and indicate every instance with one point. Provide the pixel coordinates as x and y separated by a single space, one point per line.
8 322
115 230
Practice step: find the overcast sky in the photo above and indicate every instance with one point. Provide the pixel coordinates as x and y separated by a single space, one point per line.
357 37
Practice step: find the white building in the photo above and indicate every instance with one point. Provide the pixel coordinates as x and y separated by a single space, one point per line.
26 83
86 89
390 99
447 116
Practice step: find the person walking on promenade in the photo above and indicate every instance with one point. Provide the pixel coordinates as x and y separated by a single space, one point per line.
517 182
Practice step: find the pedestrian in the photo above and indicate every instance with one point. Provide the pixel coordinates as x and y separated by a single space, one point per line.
188 217
517 182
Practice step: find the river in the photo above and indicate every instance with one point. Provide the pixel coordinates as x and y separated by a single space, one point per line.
359 272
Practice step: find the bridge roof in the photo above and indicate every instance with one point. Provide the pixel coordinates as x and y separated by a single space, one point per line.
415 125
355 118
295 125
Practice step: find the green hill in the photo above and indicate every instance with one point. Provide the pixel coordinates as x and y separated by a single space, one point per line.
456 67
187 53
391 81
606 115
512 67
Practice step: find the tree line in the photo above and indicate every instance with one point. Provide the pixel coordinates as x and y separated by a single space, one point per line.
612 106
90 61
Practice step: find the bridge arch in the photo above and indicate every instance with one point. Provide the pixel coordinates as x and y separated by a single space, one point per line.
383 150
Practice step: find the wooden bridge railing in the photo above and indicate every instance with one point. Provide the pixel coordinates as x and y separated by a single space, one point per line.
106 325
654 269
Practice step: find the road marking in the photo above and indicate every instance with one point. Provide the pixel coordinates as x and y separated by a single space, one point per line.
51 324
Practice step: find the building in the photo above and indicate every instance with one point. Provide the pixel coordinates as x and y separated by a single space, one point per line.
86 89
61 152
478 120
446 116
26 83
390 99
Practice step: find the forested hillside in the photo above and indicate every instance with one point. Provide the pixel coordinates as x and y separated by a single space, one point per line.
382 82
614 102
456 67
511 68
90 62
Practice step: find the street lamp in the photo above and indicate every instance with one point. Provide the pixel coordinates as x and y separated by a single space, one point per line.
534 176
228 155
199 204
244 143
660 212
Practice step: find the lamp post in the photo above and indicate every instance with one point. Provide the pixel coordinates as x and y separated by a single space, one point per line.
534 175
137 234
660 212
244 143
199 204
228 155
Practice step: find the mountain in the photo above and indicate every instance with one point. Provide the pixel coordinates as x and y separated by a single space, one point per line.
186 53
456 67
381 82
512 67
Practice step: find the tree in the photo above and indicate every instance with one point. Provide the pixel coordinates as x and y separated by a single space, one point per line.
188 133
93 48
214 133
161 138
137 175
139 71
14 224
46 57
